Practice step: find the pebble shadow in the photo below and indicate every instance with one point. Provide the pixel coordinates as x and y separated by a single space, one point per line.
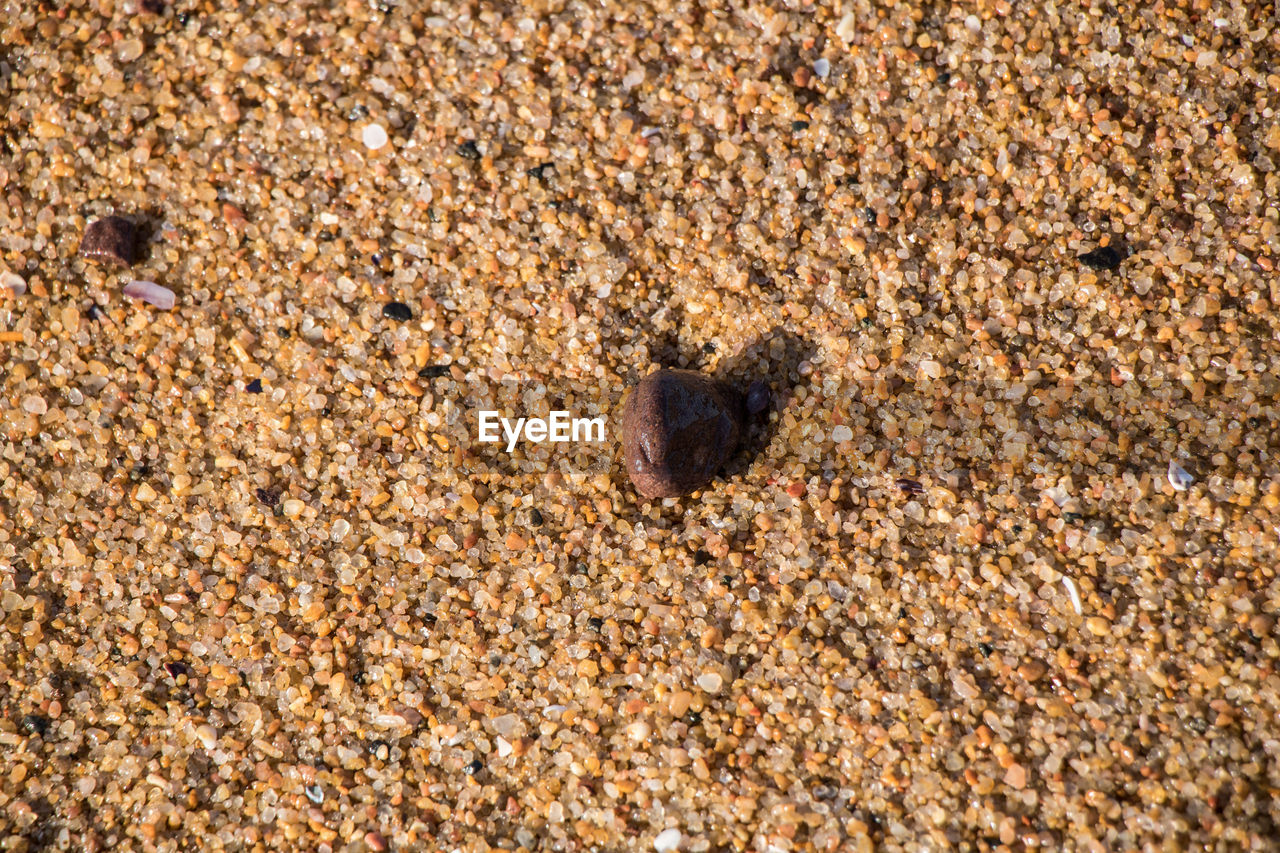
776 359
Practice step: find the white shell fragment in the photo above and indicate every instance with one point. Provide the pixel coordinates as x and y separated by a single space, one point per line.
374 136
152 293
1074 593
848 27
667 840
822 68
1179 478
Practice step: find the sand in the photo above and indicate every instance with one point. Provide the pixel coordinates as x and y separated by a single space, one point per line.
262 588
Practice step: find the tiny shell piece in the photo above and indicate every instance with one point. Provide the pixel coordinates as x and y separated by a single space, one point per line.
150 292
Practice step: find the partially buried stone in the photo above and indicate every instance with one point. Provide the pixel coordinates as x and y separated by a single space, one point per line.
1102 258
35 724
397 311
679 427
111 239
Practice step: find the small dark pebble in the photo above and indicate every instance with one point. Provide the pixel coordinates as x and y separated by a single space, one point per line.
94 312
535 518
270 497
709 348
539 171
1103 258
580 568
473 768
986 649
254 387
798 126
380 750
111 239
701 557
595 623
139 472
911 487
35 724
359 677
429 618
175 668
397 311
282 333
469 150
758 397
433 371
693 718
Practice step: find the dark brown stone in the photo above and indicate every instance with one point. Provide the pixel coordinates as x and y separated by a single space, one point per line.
112 239
678 428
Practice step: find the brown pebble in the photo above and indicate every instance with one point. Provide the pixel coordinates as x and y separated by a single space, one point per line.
678 428
1098 626
233 215
1033 670
375 840
111 239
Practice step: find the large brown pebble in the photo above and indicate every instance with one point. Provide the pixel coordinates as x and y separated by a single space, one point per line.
111 239
678 428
